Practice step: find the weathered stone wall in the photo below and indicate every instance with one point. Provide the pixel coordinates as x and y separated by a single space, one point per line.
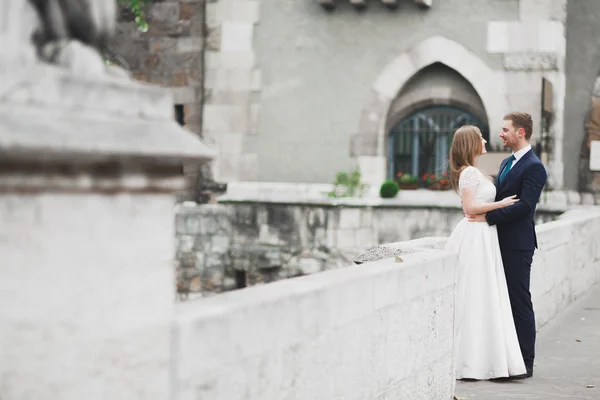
267 241
380 331
565 266
169 54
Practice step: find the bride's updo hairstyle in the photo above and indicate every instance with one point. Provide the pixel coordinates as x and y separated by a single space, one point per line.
466 147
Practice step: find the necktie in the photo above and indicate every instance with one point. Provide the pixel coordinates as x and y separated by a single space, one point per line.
507 167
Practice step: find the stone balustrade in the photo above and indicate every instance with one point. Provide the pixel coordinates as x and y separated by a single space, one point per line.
379 330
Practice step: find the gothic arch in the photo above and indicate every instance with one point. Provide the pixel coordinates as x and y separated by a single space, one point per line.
368 146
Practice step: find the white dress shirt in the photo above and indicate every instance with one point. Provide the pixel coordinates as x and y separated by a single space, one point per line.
519 154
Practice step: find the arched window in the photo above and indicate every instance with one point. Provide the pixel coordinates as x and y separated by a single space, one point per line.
420 142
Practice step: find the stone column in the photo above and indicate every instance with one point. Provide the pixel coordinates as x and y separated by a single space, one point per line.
533 48
88 171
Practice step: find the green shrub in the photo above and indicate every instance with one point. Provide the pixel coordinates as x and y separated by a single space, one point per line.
348 185
389 189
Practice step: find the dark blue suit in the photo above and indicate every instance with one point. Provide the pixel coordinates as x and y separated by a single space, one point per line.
516 233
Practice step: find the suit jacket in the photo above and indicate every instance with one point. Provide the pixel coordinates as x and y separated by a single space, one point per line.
516 226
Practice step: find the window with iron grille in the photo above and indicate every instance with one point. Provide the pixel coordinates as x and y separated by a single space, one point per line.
420 143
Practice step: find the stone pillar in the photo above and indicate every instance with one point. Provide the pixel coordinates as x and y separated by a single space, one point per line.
533 48
88 170
232 87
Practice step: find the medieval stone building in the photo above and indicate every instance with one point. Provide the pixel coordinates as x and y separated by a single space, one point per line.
296 91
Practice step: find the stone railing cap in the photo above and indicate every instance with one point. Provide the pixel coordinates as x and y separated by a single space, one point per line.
31 133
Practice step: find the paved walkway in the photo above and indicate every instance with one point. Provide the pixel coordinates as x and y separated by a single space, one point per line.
567 360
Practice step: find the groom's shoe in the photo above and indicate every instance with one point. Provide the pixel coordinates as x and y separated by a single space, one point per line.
529 374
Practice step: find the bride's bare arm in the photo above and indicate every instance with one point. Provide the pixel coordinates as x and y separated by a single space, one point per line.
471 207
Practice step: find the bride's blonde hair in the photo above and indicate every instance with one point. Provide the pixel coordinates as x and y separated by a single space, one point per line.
466 147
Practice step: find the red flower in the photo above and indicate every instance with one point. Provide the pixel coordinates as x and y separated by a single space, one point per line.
445 173
399 174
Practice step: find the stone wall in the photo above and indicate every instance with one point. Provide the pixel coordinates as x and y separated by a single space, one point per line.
565 266
240 243
169 54
379 331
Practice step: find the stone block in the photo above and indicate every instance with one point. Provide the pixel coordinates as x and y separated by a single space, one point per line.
192 114
551 37
230 98
212 14
214 38
346 239
190 44
372 169
236 80
536 10
497 37
236 36
164 12
191 10
184 95
242 11
530 61
350 218
238 60
163 45
220 244
131 50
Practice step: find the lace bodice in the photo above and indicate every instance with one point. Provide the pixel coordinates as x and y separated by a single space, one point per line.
470 177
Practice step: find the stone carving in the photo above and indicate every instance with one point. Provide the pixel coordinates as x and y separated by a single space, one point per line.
68 33
89 22
531 62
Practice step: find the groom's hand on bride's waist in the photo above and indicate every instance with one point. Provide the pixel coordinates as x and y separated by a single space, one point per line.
476 218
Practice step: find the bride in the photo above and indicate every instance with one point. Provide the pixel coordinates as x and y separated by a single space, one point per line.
486 340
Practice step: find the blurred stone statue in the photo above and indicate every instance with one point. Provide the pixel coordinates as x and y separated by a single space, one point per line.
73 33
68 33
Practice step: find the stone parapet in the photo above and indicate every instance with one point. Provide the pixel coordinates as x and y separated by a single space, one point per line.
384 329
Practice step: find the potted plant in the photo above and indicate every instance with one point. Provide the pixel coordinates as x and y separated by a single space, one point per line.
434 182
407 181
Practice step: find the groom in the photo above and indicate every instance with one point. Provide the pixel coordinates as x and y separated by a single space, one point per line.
522 174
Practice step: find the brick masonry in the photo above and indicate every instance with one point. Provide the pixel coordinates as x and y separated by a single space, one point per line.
204 52
170 54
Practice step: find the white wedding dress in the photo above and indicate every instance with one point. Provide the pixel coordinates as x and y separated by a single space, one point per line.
486 340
